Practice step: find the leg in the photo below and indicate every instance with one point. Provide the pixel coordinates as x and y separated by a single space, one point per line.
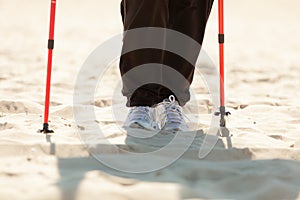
188 17
137 14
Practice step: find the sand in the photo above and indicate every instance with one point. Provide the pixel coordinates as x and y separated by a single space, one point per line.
262 58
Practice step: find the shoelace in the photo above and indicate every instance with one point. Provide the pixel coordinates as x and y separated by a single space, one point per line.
140 112
173 112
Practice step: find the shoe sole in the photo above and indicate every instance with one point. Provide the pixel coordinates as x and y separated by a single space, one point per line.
139 126
136 125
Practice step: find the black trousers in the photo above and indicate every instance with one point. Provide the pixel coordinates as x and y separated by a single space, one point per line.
185 16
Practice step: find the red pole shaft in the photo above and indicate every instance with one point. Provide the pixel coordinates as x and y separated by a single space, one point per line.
221 52
50 55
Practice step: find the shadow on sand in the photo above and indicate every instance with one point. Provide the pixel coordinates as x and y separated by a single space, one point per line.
229 172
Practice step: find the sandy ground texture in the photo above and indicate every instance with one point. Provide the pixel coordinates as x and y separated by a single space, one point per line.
260 161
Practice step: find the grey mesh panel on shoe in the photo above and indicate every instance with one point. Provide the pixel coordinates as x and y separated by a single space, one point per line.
170 115
141 117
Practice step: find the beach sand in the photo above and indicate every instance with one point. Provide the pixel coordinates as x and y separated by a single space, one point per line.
260 161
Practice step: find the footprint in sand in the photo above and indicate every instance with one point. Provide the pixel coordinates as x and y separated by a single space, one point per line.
5 126
17 107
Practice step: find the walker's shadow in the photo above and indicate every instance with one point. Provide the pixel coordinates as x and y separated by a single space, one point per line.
73 172
190 141
188 171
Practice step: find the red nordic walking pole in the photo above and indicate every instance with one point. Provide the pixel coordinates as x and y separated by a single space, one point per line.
222 111
49 68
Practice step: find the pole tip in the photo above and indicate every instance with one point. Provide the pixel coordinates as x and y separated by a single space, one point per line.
45 129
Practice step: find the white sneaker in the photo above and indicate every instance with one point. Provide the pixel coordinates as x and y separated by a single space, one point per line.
170 116
141 117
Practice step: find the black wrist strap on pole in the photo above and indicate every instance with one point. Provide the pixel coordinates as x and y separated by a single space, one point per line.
221 38
50 44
